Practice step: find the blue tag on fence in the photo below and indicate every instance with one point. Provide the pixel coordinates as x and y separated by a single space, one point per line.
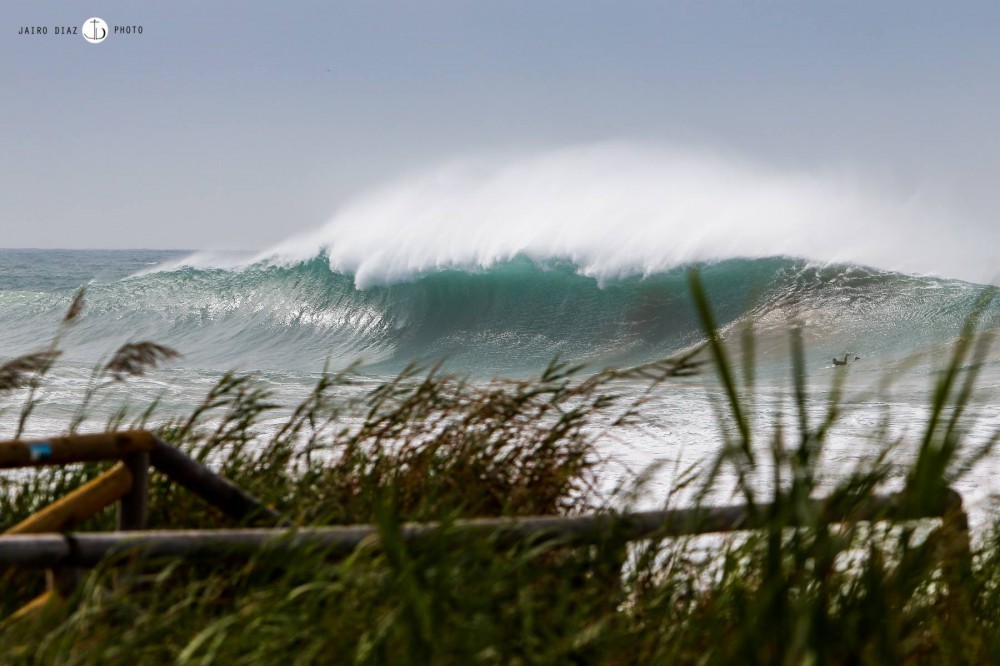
40 451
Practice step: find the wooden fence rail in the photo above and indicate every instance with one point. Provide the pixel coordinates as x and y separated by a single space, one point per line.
138 449
126 483
42 540
208 485
87 549
74 449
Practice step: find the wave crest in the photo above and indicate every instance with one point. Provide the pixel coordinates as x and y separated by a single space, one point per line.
617 210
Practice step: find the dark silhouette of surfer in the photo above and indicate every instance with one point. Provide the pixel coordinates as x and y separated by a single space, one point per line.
844 362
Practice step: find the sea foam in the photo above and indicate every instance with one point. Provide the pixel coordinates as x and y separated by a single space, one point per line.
617 210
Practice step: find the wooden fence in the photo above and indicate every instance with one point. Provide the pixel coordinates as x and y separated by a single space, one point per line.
44 539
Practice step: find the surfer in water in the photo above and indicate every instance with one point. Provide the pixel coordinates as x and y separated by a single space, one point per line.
844 362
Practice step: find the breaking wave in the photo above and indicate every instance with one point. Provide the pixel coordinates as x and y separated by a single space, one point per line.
499 265
513 316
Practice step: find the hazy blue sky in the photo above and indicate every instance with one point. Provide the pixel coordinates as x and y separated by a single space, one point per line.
231 125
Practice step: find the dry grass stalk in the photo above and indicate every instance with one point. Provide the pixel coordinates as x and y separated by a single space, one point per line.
17 373
134 359
76 307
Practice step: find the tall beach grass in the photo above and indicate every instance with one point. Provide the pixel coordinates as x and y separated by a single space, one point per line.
427 445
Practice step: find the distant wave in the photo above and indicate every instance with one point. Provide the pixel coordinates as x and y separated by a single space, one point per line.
511 316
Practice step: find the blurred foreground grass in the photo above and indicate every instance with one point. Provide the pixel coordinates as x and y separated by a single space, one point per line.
428 446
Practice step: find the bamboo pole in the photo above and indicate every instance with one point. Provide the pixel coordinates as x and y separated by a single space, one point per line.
88 549
74 449
208 485
82 503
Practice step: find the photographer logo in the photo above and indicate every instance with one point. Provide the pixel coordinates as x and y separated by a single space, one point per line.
95 30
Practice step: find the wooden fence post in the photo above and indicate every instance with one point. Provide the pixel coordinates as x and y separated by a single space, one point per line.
133 507
955 546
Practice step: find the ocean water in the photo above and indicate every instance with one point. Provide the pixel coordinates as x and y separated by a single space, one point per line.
286 317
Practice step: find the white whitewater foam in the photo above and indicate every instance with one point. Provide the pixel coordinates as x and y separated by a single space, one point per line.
619 209
203 259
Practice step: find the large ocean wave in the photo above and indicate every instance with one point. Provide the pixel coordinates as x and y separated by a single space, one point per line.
510 317
500 265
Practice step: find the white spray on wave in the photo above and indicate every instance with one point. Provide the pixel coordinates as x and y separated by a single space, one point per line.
618 209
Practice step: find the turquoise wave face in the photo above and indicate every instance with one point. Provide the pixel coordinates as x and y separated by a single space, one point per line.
511 318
